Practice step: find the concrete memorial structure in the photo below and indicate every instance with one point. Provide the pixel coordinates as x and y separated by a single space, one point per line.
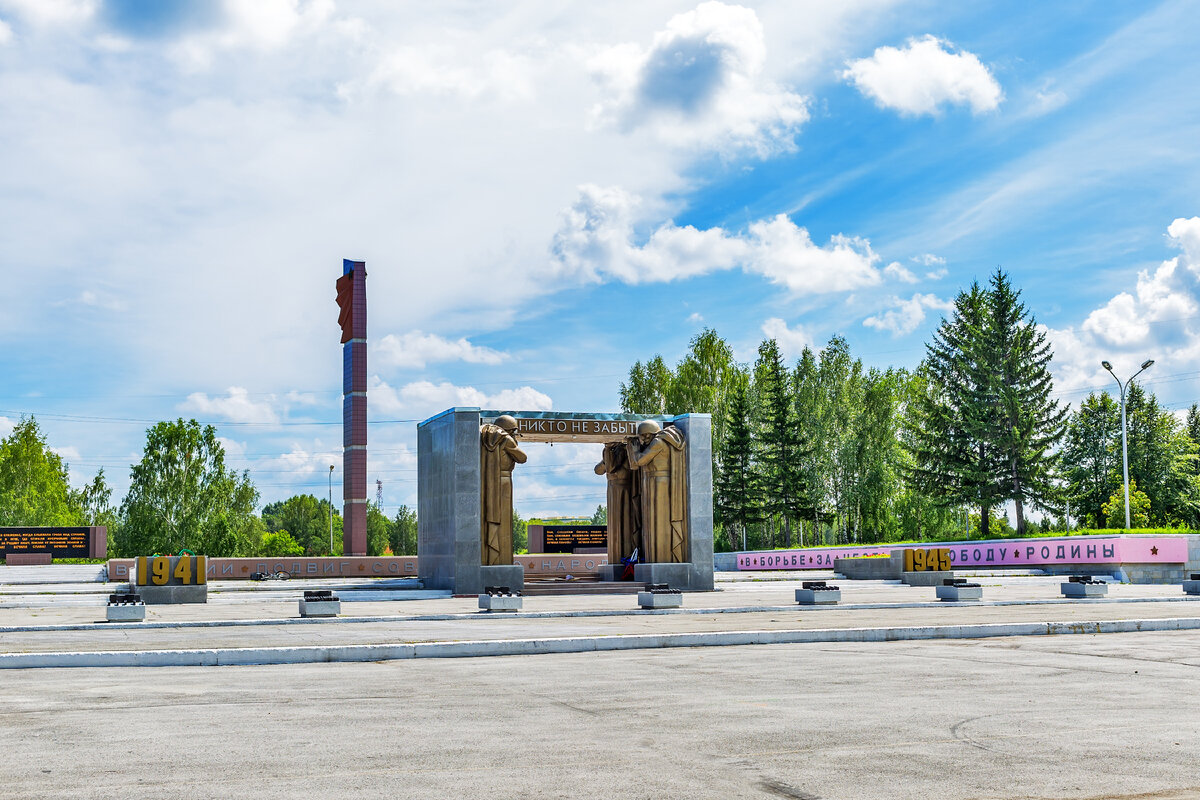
352 317
163 580
1135 558
659 475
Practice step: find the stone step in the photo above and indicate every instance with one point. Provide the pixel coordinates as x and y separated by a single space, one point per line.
54 573
547 588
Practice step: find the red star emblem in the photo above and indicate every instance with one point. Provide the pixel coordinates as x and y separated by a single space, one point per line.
1154 551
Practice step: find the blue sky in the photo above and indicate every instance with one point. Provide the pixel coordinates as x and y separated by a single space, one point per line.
544 194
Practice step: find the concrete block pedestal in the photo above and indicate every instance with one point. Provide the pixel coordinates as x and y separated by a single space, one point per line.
818 593
125 608
320 608
660 596
1083 587
1192 586
320 603
956 589
500 601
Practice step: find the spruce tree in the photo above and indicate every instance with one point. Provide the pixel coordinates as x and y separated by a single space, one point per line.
1192 426
807 408
953 459
737 499
780 447
1028 425
985 426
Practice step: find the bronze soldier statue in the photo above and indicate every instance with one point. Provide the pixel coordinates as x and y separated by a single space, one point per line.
624 503
498 453
658 453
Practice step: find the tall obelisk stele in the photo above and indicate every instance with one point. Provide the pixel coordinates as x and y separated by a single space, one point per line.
352 302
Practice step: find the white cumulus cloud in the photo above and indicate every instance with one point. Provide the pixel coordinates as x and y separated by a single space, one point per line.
923 76
415 349
700 82
68 454
899 272
235 406
905 315
425 398
595 242
6 33
791 341
1159 319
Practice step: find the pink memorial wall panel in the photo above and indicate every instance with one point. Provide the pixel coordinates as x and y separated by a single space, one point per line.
994 553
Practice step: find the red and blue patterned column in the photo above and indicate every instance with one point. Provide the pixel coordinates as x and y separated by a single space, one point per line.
352 300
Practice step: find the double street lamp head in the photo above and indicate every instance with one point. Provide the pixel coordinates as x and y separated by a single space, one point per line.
1147 364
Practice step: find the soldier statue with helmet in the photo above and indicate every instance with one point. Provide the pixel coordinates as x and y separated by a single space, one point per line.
657 453
498 454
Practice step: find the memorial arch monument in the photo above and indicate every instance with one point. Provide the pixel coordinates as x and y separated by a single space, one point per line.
658 472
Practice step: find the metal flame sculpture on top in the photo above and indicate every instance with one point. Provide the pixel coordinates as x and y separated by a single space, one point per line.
352 316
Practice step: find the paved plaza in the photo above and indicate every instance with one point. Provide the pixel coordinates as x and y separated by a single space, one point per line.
1066 716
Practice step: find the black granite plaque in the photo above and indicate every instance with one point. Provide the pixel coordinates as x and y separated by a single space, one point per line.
59 542
565 538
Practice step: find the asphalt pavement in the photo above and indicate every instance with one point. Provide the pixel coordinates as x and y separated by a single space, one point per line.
1085 715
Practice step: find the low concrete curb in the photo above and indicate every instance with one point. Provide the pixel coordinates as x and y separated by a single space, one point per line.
609 612
478 649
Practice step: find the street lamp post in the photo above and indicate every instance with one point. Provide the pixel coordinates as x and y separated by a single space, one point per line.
1124 444
331 509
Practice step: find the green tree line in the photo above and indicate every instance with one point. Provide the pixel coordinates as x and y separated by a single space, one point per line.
825 450
181 495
